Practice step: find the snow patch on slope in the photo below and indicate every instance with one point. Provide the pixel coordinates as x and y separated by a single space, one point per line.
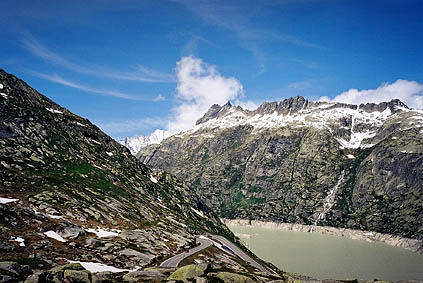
54 110
200 213
104 233
20 240
152 179
7 200
54 235
100 267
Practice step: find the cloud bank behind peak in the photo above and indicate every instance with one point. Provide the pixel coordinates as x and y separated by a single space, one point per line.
409 92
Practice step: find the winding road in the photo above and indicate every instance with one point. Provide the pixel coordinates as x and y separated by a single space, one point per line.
176 260
240 253
205 243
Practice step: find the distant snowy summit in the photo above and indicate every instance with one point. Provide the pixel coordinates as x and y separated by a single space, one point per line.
134 144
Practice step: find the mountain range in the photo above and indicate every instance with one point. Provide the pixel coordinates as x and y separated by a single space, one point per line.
299 161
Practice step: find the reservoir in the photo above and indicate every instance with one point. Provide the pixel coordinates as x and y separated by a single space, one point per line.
331 257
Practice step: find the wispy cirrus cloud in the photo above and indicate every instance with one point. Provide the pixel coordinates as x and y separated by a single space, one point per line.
307 64
115 93
138 73
193 41
238 18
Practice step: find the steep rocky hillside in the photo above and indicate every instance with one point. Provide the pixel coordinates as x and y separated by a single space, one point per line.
68 193
305 162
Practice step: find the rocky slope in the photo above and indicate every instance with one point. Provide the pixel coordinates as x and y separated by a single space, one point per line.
297 161
70 193
134 144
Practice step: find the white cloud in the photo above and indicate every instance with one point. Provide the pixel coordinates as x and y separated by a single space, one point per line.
409 92
199 86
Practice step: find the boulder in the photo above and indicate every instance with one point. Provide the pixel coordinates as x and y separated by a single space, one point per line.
37 277
229 277
10 267
101 277
71 232
188 272
148 274
141 258
77 275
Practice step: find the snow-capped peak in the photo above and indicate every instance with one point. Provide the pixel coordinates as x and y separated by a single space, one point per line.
351 125
134 144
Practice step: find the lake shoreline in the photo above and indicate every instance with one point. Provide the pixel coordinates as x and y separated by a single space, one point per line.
368 236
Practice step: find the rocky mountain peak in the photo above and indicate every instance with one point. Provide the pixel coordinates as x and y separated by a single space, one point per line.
299 111
215 111
285 107
292 105
210 114
394 105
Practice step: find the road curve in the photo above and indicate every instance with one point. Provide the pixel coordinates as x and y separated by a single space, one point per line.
176 260
240 253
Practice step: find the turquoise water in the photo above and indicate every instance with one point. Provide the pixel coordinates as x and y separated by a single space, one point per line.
331 257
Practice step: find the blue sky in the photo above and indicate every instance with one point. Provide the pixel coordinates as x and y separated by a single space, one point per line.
134 66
